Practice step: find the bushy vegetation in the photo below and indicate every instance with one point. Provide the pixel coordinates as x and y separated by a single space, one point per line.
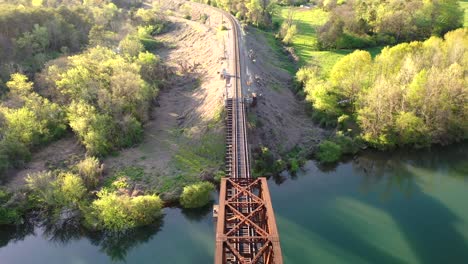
56 191
116 212
288 29
255 12
411 94
28 120
364 23
196 195
328 151
114 209
31 35
104 96
108 100
90 171
9 214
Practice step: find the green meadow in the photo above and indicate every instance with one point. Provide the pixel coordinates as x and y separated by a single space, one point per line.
305 41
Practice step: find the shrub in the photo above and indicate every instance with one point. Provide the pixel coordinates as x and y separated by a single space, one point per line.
71 189
294 165
328 152
90 170
7 215
131 46
13 154
196 195
49 191
120 212
150 44
43 188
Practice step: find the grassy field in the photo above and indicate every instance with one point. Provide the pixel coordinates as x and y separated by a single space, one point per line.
464 5
305 42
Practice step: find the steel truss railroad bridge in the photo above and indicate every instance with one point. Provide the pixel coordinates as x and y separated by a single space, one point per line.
246 229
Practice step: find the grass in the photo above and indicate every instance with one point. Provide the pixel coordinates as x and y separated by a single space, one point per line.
133 173
305 41
464 6
207 153
269 36
190 162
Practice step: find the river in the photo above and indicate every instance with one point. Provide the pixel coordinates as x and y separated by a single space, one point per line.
399 207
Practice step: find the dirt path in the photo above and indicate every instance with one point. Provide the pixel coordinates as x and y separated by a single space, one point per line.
58 154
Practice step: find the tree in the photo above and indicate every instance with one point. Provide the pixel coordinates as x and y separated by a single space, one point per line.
290 33
196 195
94 129
19 85
22 126
150 67
364 23
35 41
411 129
351 75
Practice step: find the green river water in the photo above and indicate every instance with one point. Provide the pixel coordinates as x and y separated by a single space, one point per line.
401 207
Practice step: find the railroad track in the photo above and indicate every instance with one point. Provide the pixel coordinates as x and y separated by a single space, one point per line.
246 228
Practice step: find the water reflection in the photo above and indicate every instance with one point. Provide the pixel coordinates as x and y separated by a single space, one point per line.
198 214
14 233
115 245
397 169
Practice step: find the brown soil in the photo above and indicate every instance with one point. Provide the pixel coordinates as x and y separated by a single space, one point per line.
59 154
282 119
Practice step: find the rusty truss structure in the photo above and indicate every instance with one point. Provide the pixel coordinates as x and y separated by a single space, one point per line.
246 231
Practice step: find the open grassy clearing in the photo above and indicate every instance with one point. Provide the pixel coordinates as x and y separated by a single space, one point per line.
464 5
305 41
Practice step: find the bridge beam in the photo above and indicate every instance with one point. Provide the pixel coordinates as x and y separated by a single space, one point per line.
261 245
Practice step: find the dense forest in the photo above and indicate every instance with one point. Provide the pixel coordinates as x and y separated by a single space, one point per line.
359 23
411 94
255 12
103 94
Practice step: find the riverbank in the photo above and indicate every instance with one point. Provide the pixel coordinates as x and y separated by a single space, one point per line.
376 208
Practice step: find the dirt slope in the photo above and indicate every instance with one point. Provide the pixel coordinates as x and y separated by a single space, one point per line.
282 122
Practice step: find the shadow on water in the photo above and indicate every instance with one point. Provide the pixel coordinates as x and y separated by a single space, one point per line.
115 245
10 234
431 220
394 218
198 214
